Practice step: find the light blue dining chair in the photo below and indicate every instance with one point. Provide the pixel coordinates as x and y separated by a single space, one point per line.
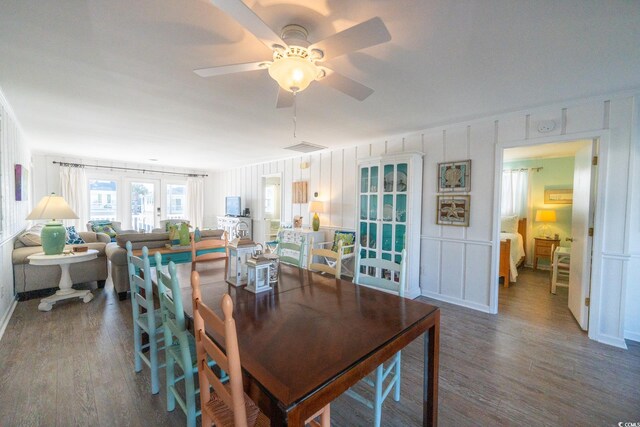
181 345
148 321
381 274
292 253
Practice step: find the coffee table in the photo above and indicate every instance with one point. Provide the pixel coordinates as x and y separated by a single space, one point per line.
66 291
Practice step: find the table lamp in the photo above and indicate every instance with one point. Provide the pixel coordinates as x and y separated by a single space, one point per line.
53 235
315 207
545 216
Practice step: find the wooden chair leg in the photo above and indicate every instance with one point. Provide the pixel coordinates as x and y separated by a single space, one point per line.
153 358
171 381
137 346
190 391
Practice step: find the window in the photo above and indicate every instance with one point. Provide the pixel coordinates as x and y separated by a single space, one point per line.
103 199
176 201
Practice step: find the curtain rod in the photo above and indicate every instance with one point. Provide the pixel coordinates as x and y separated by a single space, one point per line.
538 169
81 165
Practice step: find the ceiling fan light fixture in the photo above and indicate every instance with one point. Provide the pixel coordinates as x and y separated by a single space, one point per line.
294 70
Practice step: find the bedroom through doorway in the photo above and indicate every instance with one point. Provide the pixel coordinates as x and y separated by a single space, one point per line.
546 211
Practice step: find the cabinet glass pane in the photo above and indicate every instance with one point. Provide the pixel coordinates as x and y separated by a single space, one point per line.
386 255
400 237
364 204
364 180
363 234
401 208
373 238
387 237
372 254
387 208
402 182
373 207
373 186
388 178
398 261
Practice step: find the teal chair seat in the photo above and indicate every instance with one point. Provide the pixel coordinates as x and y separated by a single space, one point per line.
389 276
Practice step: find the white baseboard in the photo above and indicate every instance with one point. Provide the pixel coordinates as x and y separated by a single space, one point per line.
457 301
614 341
633 336
5 320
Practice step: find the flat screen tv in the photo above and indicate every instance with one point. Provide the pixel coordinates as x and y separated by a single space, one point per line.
232 206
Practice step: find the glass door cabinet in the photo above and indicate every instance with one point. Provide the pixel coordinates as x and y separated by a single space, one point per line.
389 212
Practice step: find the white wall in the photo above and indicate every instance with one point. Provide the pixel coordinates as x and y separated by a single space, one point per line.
456 263
12 150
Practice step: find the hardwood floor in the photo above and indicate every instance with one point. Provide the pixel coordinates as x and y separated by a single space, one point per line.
531 364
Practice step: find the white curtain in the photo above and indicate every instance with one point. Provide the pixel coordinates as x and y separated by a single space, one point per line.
195 201
73 186
515 192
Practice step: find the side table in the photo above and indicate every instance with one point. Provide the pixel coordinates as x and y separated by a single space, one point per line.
66 291
542 249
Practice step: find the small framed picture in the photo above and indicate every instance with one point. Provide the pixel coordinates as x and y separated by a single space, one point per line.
454 177
453 210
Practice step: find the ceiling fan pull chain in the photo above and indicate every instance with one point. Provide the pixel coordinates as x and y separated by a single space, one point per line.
295 115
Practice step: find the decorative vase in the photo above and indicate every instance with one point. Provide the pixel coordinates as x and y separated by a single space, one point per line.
316 222
53 237
197 236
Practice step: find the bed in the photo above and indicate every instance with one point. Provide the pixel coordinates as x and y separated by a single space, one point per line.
512 252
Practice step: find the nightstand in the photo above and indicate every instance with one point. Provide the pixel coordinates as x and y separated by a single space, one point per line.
542 249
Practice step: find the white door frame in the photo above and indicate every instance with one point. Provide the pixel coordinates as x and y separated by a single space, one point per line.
261 218
597 249
157 184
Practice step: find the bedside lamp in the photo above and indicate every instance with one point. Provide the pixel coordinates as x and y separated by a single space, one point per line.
315 207
545 216
53 235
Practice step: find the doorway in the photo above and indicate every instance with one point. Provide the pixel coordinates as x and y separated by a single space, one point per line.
144 202
271 206
552 187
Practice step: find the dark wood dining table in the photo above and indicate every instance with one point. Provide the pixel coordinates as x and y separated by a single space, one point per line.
312 337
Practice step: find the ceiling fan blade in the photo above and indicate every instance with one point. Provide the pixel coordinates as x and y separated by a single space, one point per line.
346 85
249 20
360 36
285 98
230 69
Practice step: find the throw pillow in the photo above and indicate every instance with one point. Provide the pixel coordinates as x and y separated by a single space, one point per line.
73 238
31 237
509 224
104 227
347 237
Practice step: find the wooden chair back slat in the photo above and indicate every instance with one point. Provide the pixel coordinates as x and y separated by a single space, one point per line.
288 259
211 319
198 256
336 257
379 265
141 301
215 353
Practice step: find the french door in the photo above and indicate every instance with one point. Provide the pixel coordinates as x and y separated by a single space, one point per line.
143 203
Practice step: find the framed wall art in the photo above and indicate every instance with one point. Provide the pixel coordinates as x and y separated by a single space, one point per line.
22 183
558 197
453 210
454 177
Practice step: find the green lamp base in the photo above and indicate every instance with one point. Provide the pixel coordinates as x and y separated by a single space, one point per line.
53 237
316 222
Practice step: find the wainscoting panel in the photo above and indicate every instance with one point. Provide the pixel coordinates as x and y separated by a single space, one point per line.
451 275
612 272
477 270
430 266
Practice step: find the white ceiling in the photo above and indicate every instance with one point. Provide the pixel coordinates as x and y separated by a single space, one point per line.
113 79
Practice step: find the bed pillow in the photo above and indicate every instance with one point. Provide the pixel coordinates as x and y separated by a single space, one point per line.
509 224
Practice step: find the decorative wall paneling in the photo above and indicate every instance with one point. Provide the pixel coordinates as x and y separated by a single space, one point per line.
457 263
13 150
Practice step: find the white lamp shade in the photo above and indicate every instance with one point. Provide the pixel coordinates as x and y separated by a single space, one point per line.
52 207
546 215
316 206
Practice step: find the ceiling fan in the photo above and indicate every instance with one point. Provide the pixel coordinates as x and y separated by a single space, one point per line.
296 62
